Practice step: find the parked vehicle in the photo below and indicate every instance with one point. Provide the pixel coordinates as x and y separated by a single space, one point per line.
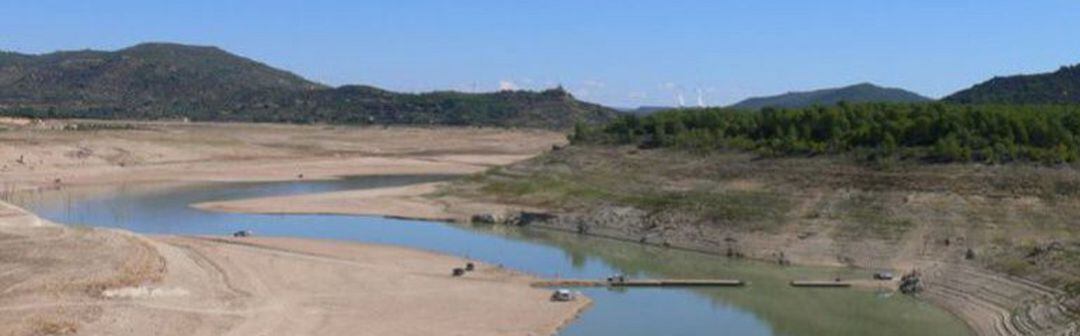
563 295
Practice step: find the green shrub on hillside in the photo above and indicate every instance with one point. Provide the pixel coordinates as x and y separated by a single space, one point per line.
935 132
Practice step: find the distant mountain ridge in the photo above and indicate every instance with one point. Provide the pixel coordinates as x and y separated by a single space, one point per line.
165 80
145 74
859 93
1059 87
645 109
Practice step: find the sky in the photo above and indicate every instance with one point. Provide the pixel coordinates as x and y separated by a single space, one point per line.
616 52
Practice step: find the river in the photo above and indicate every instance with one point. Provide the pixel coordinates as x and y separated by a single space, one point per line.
766 306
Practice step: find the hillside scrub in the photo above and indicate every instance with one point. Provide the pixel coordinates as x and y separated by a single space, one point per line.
859 93
162 81
933 132
1059 87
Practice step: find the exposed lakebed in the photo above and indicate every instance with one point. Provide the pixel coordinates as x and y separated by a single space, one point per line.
767 306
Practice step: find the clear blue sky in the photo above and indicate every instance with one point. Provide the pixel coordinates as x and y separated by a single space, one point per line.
617 52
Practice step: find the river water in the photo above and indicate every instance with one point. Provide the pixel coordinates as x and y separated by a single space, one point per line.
767 306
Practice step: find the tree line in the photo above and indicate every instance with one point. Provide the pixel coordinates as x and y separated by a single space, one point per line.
361 105
936 132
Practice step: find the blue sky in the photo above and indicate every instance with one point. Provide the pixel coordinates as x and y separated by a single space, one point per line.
617 52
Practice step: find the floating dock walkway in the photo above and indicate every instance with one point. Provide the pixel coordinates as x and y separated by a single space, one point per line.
820 283
678 283
641 283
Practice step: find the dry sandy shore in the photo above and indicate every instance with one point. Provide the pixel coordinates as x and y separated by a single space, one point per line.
60 280
412 201
41 155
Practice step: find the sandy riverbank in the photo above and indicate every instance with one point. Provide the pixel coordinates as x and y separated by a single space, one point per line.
45 155
413 201
57 279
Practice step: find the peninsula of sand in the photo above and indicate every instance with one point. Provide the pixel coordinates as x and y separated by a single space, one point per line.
58 279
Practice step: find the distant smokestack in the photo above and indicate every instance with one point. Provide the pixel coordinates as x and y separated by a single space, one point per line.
700 98
679 99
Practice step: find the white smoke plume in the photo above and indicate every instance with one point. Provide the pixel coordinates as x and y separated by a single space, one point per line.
505 85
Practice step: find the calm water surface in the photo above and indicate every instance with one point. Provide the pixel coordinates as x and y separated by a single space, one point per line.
766 307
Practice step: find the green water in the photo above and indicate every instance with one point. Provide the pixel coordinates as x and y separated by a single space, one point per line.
767 306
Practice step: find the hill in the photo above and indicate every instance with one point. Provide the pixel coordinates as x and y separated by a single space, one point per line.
646 109
553 108
172 81
859 93
148 79
1060 87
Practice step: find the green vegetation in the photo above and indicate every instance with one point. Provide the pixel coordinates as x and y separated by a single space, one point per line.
169 81
1013 265
859 93
1073 288
1060 87
1053 263
867 215
933 132
563 182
